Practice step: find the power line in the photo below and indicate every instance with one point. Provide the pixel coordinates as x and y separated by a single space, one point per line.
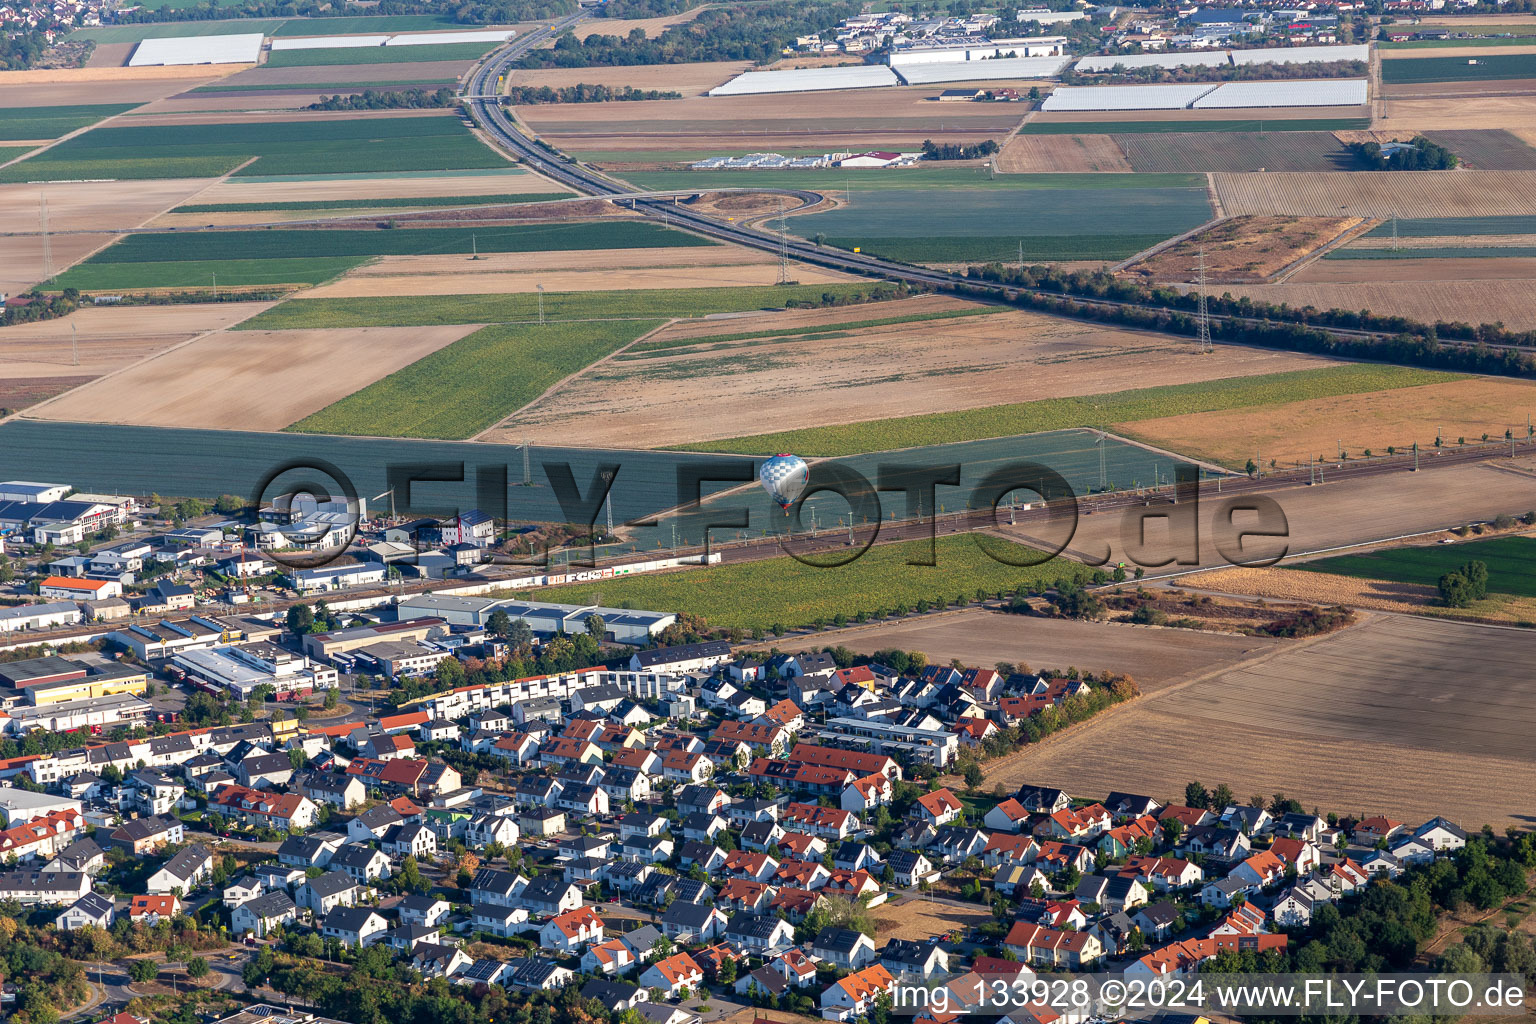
783 247
47 245
1203 315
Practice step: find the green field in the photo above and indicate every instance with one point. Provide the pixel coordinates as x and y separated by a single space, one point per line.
433 310
1511 564
1086 411
987 224
346 26
92 276
1315 124
1431 226
52 122
12 152
377 55
500 199
170 151
469 385
1437 44
279 243
758 595
906 179
1494 67
174 30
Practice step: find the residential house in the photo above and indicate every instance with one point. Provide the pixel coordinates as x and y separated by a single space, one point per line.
673 975
844 947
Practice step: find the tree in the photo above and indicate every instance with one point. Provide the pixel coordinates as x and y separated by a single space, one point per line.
596 627
1222 797
300 618
520 634
197 968
1173 828
727 973
663 948
499 624
1250 467
332 698
143 970
973 775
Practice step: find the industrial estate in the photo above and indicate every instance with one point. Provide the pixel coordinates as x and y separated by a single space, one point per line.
765 511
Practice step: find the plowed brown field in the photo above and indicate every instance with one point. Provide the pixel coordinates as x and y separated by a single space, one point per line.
1032 154
1510 302
1380 195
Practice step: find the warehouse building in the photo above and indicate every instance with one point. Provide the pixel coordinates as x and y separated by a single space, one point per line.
54 680
239 670
39 616
622 625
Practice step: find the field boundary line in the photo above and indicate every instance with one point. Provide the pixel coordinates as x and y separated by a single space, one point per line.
1344 237
562 382
1213 195
1167 243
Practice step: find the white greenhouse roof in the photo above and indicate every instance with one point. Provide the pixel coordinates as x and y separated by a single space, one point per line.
234 49
494 35
996 69
1193 58
863 76
1331 92
1126 97
326 42
1301 54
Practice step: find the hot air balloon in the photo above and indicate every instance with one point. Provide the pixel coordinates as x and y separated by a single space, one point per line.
784 478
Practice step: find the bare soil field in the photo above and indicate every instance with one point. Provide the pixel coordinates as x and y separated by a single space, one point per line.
469 280
88 207
418 71
623 26
1416 745
570 260
1033 154
790 321
110 55
1454 51
923 919
110 338
1488 150
19 392
1510 268
1435 107
1380 195
1210 114
511 180
1236 151
250 380
1243 249
1296 431
1379 595
1509 302
1330 515
1155 656
700 393
184 76
688 79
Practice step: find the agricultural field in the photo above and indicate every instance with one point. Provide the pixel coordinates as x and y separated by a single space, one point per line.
460 390
1034 154
1432 292
1227 151
108 339
1382 195
1240 395
1487 150
1511 564
519 308
1278 723
1318 425
250 190
688 389
365 23
357 55
354 145
250 380
51 122
758 595
870 181
402 203
984 225
160 260
115 34
1242 249
1440 45
1042 126
1489 67
919 920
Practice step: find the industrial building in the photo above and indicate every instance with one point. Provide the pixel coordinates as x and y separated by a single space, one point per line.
239 670
335 577
622 625
39 616
54 680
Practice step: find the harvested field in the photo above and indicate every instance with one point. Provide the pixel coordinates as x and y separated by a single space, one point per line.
1509 301
1438 108
92 206
1380 195
22 258
110 55
387 277
795 321
1029 154
135 78
143 118
359 73
1243 249
250 380
1235 151
16 95
1415 746
1156 657
1297 431
110 338
317 189
1440 269
688 79
1488 150
919 919
1245 118
686 395
622 27
1492 46
19 392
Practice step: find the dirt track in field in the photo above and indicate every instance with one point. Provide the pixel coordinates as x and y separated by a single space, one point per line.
710 391
250 380
1382 717
1033 154
1379 195
110 338
1154 657
1297 431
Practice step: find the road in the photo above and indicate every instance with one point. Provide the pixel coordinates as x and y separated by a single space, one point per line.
111 989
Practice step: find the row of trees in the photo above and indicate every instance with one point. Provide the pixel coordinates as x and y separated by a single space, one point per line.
957 150
388 99
38 305
468 12
1272 71
1418 155
582 92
